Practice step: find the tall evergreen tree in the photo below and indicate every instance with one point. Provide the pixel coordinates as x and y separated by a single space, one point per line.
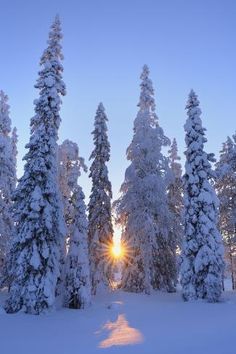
37 203
175 193
202 254
7 185
100 223
142 210
226 190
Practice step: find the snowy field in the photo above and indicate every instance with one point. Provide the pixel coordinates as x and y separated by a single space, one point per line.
125 323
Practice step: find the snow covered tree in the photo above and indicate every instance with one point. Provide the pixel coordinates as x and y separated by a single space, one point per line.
202 254
77 286
100 229
38 210
69 170
77 272
143 210
6 277
7 185
14 141
226 190
175 193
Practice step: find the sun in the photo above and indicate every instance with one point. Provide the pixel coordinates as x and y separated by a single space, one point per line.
116 250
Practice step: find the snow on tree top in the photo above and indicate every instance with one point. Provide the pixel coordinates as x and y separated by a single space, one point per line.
146 101
5 121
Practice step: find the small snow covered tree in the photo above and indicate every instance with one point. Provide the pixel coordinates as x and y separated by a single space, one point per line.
226 190
38 209
69 170
77 272
77 286
202 254
100 229
7 185
143 210
175 193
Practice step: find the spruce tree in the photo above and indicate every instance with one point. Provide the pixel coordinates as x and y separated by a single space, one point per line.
6 279
14 141
226 190
77 272
202 255
100 229
37 203
70 165
7 185
77 286
142 210
175 193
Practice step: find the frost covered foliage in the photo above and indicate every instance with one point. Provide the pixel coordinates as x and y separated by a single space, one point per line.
142 210
77 287
175 193
100 222
226 190
37 203
7 185
14 141
202 255
69 170
77 272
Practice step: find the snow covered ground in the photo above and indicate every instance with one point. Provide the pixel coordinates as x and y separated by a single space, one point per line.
125 323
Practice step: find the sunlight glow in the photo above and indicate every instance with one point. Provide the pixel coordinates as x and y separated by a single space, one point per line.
121 333
117 250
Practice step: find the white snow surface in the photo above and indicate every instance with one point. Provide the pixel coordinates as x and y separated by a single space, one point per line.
119 322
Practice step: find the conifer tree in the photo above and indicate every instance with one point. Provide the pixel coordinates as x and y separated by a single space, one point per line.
142 210
175 193
6 278
14 141
77 272
70 165
37 203
100 229
202 255
7 185
77 286
226 190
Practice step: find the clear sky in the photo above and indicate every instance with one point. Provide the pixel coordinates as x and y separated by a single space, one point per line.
187 44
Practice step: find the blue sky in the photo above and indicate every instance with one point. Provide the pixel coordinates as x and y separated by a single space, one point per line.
187 44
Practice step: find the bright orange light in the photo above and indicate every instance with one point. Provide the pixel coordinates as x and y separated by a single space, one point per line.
121 333
117 251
